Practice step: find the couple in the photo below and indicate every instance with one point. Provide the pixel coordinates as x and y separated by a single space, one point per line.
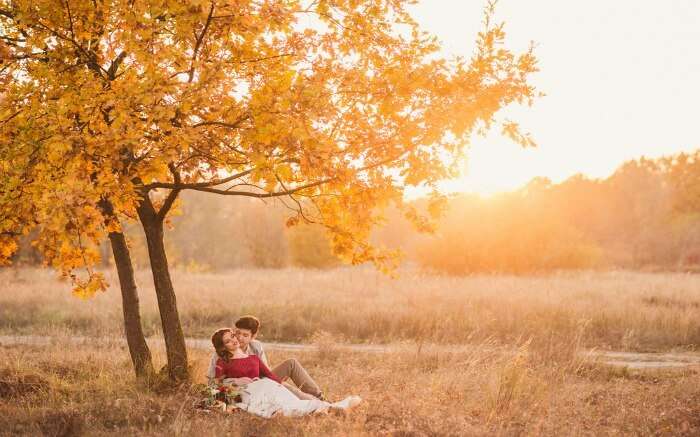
240 360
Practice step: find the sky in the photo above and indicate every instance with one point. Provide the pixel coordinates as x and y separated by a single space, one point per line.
621 78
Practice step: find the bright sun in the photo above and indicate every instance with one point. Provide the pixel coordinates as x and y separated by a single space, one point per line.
495 164
491 169
594 72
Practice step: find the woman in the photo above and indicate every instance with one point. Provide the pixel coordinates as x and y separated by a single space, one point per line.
235 364
267 396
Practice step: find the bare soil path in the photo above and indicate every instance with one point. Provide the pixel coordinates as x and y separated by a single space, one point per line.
631 360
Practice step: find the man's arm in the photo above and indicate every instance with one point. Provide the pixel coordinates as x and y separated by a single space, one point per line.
267 373
258 350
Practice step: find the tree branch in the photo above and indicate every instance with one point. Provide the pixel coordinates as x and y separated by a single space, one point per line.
266 58
198 44
300 209
172 196
91 57
10 39
207 186
263 195
11 117
6 13
213 183
29 56
112 71
233 125
70 19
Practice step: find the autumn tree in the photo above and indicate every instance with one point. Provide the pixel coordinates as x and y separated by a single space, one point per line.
684 173
112 108
308 247
684 176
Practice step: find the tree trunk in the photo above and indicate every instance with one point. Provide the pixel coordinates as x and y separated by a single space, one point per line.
167 304
138 348
140 354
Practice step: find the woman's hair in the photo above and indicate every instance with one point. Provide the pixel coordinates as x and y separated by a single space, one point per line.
217 339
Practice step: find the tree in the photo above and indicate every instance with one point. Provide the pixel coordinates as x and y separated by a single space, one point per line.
683 172
331 106
308 247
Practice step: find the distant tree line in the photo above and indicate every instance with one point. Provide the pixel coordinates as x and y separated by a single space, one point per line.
208 233
644 216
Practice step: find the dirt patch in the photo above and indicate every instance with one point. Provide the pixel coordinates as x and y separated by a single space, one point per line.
13 385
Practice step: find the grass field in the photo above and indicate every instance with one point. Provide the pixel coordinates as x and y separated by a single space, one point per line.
64 390
540 386
614 310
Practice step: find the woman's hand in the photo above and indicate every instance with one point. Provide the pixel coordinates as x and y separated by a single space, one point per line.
241 381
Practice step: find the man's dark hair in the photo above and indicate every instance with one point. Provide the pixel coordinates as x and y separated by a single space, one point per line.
251 323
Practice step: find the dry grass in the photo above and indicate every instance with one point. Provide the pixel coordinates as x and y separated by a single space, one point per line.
520 376
617 310
66 390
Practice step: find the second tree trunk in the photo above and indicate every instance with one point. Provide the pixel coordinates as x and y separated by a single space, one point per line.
167 303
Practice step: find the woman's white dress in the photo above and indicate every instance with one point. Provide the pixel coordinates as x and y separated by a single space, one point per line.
264 397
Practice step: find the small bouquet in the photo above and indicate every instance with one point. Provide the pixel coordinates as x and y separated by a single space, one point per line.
223 397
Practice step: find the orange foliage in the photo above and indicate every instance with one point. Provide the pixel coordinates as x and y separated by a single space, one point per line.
119 102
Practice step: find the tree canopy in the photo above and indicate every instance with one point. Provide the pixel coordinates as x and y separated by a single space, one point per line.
333 106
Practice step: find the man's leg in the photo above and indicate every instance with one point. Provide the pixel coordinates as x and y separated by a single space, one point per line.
298 393
293 370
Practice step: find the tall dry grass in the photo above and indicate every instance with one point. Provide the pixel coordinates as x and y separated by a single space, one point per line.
619 310
62 389
520 376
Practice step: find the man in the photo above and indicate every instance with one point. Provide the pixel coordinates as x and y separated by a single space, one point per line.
247 328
